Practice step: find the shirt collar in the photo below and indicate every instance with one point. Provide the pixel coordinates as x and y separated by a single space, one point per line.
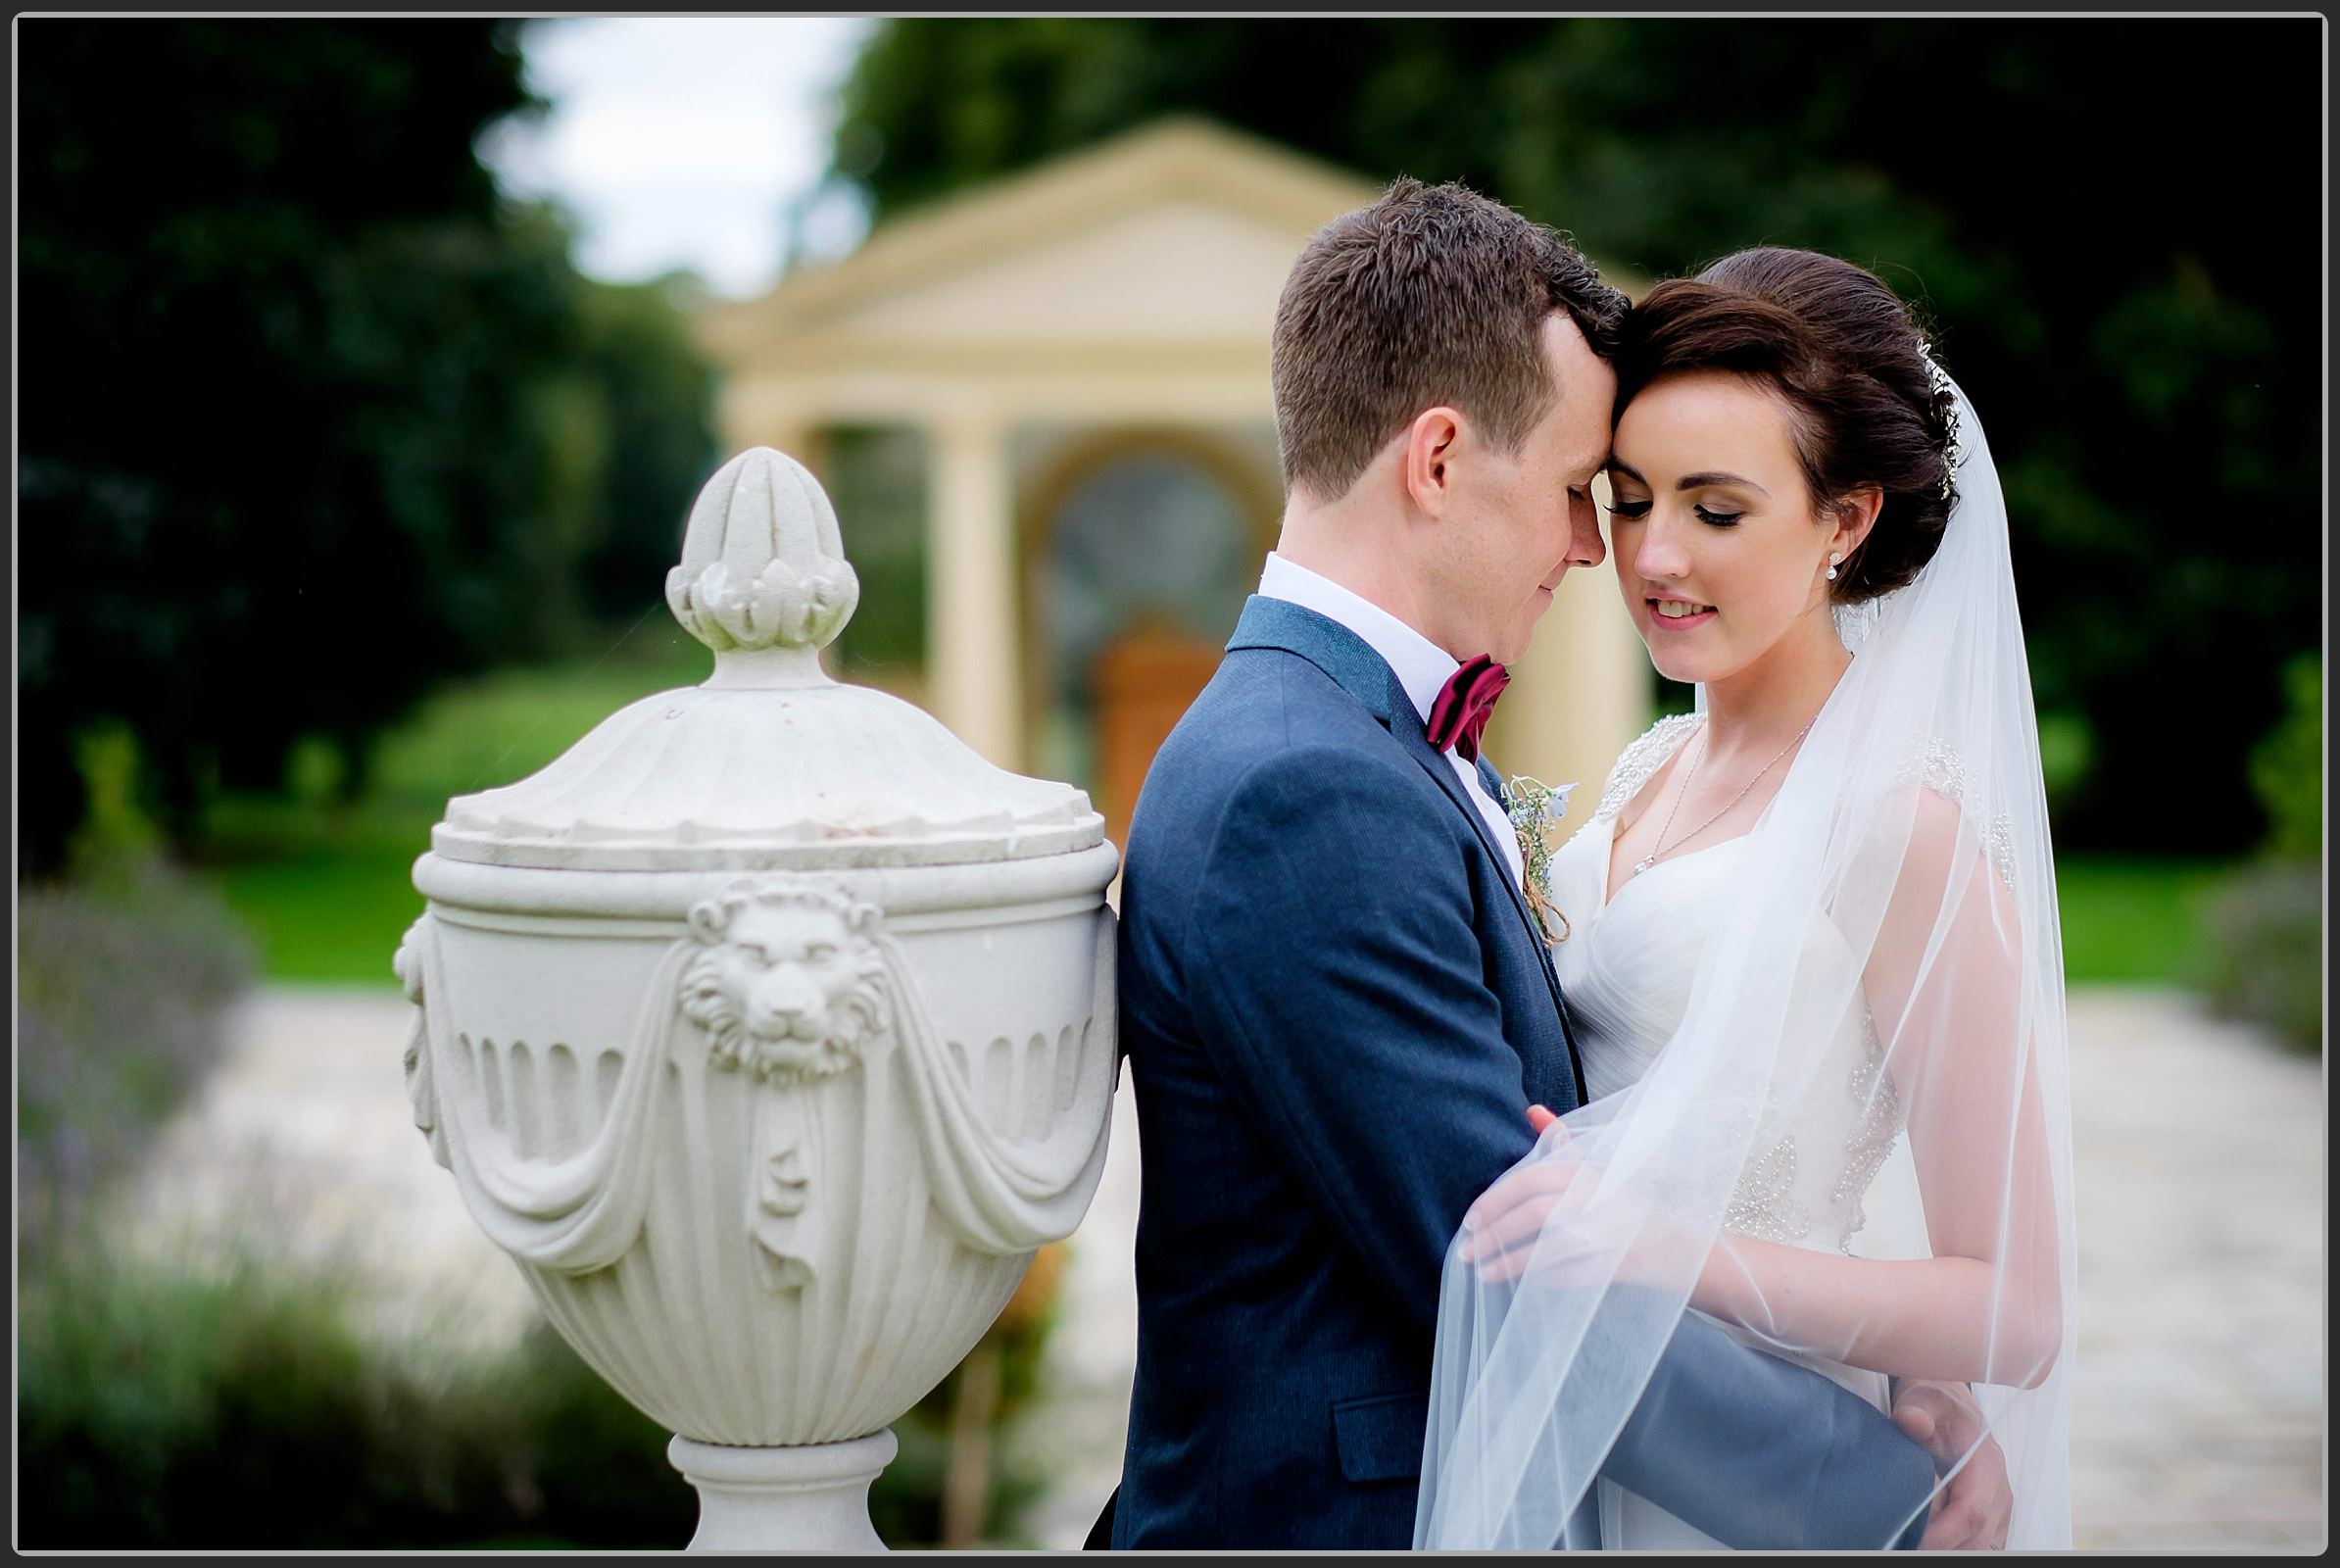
1421 665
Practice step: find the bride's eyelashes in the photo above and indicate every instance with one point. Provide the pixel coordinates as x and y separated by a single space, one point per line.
1634 510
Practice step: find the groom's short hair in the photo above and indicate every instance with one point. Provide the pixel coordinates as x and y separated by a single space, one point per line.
1432 295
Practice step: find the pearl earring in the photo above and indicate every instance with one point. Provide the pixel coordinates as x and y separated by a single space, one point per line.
1835 556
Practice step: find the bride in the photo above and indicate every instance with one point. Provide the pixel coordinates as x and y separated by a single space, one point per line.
1808 939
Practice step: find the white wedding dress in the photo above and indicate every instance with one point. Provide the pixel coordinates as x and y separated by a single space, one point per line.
1740 1093
1830 1171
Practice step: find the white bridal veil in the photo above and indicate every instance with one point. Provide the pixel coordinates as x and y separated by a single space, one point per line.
1901 874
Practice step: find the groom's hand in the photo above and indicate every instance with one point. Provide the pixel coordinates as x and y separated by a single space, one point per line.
1976 1502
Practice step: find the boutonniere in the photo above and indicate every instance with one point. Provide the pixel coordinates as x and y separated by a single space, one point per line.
1537 808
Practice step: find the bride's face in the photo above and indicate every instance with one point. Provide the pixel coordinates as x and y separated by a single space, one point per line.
1719 553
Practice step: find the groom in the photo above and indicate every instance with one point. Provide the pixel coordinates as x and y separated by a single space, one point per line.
1335 1008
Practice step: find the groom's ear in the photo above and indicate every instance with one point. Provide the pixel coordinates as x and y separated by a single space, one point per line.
1425 463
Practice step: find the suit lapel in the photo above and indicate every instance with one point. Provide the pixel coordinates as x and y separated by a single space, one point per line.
1365 675
1433 762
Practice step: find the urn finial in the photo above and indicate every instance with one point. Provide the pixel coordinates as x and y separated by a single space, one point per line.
763 580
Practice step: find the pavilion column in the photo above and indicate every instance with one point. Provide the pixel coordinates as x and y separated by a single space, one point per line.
791 436
802 439
1582 693
972 667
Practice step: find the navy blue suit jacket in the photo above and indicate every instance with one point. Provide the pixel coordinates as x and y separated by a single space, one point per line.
1337 1013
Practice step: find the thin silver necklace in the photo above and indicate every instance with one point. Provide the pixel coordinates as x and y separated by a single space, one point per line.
1651 859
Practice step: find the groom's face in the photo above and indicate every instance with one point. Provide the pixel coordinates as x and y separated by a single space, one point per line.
1524 518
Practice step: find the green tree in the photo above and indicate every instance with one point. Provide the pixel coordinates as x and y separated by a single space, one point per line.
2094 213
658 400
316 419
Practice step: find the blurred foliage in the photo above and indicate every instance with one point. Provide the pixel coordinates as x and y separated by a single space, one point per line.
2287 768
320 421
229 1399
876 478
652 401
239 1406
2266 950
125 973
2266 929
2067 753
2055 196
325 885
123 984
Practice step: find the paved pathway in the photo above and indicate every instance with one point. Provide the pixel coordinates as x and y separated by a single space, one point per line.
2199 1406
2198 1414
304 1139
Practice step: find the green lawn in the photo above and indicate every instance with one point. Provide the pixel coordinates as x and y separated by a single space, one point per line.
499 727
2135 920
328 892
328 900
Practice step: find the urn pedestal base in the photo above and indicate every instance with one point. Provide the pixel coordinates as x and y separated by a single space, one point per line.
813 1498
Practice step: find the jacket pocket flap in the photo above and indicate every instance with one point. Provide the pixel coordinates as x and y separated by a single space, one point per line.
1380 1437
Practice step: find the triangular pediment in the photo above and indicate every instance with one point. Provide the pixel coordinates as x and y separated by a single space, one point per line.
1180 234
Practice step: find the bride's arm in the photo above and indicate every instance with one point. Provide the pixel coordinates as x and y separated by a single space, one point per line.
1944 985
1937 1319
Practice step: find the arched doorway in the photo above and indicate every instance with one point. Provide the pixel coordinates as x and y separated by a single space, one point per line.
1138 557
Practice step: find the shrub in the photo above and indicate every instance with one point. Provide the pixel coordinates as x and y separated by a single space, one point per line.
235 1407
123 984
2288 766
2266 951
2066 758
231 1401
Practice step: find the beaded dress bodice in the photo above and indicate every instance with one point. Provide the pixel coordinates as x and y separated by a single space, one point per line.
1828 1172
1627 967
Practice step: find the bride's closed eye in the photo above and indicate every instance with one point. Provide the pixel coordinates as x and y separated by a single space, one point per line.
1634 511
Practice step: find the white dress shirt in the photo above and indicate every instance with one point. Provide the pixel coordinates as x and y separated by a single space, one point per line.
1422 669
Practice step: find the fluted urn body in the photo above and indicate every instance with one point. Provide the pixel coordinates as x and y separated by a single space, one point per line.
771 1031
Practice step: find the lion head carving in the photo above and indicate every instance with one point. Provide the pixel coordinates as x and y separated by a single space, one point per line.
787 982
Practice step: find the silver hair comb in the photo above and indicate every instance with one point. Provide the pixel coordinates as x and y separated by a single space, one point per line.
1954 453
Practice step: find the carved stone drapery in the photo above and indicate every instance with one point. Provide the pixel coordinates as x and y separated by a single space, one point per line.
1004 1144
771 1031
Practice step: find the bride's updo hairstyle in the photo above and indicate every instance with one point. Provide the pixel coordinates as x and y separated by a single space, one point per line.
1835 345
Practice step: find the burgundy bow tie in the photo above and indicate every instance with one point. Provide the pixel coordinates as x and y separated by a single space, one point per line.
1465 704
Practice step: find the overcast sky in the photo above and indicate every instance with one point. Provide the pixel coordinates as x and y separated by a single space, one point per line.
683 141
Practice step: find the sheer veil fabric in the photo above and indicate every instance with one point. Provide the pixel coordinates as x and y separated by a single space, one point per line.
1901 879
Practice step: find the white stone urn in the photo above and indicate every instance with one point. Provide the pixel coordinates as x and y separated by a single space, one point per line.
770 1030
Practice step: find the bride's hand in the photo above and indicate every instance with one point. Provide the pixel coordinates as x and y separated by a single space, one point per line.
1500 1229
1507 1232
